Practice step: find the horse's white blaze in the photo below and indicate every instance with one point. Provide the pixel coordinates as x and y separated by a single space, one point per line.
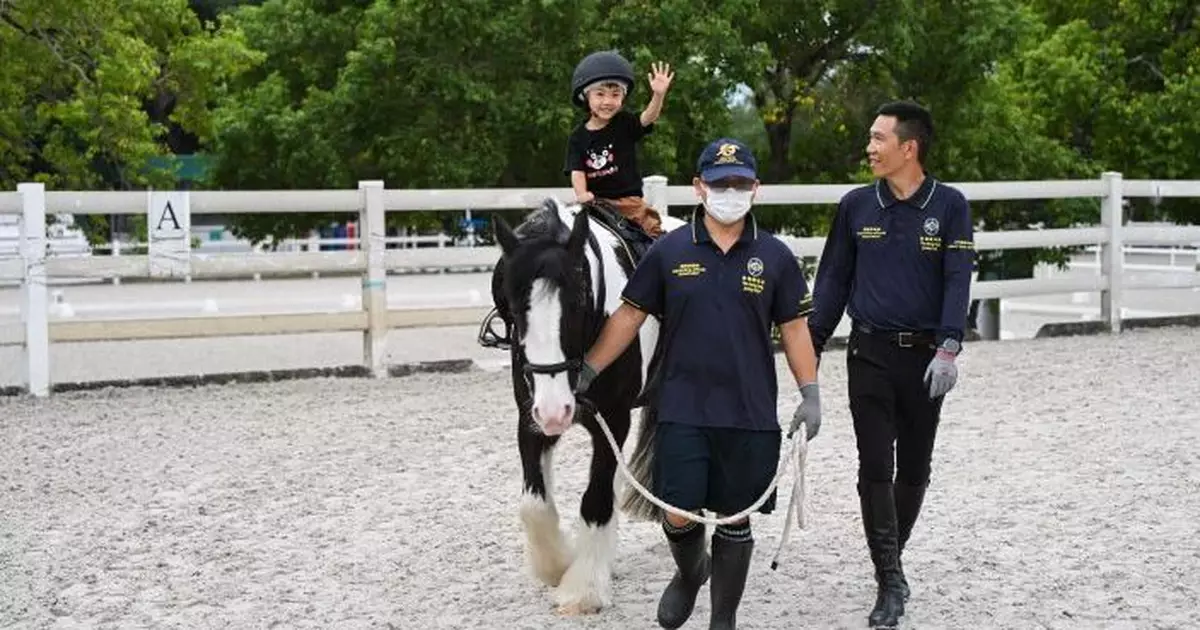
553 400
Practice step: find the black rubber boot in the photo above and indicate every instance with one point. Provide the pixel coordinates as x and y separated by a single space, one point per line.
883 539
693 567
908 507
730 565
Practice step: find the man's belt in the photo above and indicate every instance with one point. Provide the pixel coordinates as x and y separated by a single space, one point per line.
902 338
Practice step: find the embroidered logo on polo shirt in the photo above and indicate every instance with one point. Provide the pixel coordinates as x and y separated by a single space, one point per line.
753 284
870 232
688 270
754 266
930 241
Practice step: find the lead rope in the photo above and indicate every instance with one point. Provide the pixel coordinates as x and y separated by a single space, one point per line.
798 456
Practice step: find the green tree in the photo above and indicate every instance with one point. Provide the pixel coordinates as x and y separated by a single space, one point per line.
1133 106
78 79
425 94
831 69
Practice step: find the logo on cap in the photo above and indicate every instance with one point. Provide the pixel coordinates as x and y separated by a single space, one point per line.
727 154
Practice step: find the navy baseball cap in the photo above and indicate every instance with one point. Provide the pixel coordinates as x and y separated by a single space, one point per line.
727 157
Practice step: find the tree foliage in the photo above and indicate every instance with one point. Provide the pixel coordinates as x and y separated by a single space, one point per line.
79 83
427 94
475 93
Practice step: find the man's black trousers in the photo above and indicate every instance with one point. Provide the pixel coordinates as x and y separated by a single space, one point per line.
889 401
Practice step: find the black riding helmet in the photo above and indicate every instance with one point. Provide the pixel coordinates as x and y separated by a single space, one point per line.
598 66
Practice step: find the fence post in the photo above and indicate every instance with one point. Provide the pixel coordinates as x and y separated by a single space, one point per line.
1112 256
371 233
169 233
654 189
35 304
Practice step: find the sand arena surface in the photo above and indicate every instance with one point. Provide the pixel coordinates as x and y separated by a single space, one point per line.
1064 496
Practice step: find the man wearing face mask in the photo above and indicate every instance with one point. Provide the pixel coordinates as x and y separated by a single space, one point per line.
718 287
898 259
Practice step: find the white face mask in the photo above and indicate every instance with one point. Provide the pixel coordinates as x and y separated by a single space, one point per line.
727 206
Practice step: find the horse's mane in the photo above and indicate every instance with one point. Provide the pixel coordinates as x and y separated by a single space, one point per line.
542 235
543 222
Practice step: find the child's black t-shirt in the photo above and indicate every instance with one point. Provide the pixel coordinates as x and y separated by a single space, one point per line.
608 156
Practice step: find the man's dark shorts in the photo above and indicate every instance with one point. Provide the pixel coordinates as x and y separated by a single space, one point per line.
720 470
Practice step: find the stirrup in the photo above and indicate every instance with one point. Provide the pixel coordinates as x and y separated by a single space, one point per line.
488 337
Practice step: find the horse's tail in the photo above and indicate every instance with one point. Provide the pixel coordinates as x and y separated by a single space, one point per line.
641 464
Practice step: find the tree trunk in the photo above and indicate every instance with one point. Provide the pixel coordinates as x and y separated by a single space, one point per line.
779 136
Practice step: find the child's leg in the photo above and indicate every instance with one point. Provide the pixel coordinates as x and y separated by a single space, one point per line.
637 210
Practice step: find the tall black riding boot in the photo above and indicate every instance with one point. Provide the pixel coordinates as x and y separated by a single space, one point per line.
908 507
731 564
883 539
693 567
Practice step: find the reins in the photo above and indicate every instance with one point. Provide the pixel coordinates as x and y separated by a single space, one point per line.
798 456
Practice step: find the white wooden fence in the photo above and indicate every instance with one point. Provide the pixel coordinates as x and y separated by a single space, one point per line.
170 257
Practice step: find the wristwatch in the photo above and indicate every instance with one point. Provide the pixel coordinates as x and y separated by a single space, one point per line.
952 346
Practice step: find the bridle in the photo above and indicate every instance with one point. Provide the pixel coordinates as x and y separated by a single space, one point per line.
572 365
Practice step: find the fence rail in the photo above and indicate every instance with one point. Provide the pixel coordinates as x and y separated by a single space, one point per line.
170 257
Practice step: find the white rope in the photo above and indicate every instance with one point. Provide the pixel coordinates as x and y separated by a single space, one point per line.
798 457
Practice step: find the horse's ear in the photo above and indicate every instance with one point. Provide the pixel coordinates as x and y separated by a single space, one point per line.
505 236
579 233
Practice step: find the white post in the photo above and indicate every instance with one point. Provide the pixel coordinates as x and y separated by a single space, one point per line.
470 229
35 304
374 283
654 188
116 249
1112 250
169 233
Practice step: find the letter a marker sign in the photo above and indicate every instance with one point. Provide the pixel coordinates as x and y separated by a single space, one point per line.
169 228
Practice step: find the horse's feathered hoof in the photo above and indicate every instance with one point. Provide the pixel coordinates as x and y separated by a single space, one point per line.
576 609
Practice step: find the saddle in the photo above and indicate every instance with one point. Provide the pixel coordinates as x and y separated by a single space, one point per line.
628 232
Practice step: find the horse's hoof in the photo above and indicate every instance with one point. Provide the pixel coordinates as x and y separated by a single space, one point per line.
576 609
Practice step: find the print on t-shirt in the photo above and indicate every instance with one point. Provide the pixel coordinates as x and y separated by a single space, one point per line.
607 156
602 162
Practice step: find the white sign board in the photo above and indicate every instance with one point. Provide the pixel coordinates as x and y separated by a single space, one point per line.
169 228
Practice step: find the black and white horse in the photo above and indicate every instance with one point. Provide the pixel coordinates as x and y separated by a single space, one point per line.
561 276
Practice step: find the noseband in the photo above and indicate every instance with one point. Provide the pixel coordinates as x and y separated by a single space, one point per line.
571 366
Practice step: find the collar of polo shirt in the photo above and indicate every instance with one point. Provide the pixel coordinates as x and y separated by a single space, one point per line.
920 198
700 233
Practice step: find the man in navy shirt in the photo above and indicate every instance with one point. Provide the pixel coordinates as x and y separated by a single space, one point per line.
898 260
718 286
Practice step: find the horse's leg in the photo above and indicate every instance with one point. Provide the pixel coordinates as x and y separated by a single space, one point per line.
545 548
587 585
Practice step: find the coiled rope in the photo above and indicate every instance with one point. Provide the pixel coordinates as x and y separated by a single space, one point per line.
798 456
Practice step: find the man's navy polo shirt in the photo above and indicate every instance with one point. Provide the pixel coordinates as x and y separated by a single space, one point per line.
897 264
717 309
